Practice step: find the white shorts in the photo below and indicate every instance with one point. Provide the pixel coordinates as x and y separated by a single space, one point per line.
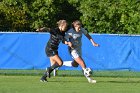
75 53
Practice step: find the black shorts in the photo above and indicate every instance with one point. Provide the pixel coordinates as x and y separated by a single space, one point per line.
51 52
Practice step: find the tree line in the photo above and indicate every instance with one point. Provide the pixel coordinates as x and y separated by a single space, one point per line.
98 16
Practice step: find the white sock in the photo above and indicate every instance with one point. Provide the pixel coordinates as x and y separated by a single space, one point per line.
88 78
83 69
67 63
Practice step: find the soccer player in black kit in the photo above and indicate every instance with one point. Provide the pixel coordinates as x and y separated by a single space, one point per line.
57 36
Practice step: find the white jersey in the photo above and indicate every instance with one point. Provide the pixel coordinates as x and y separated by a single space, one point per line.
75 38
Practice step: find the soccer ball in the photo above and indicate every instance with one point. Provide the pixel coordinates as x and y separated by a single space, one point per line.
87 72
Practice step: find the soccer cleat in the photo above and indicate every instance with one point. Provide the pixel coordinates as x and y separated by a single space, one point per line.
43 79
91 81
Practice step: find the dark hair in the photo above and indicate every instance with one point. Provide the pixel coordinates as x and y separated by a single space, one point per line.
76 22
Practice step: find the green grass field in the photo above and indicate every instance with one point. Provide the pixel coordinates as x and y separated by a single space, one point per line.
67 84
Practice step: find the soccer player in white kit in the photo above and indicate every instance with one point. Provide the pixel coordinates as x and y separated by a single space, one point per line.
74 35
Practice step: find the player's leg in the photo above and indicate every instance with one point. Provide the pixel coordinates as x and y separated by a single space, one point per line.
90 80
55 70
57 62
53 55
79 61
77 57
74 63
47 74
52 61
54 65
70 63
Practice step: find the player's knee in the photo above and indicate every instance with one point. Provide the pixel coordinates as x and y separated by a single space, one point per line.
74 64
60 64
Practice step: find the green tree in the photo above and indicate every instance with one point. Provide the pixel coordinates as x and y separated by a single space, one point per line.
111 16
41 13
48 12
13 14
98 16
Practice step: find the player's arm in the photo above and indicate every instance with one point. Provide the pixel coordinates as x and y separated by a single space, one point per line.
67 39
67 42
85 32
91 40
43 29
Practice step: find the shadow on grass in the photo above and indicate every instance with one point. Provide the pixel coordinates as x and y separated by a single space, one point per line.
126 81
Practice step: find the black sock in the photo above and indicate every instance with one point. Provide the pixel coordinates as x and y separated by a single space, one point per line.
45 75
51 68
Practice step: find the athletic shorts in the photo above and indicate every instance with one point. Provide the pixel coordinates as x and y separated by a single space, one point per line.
75 53
51 52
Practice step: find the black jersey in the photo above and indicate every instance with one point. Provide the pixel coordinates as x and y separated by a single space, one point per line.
56 36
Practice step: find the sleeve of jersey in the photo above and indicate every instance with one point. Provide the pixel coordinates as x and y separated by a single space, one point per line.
68 35
45 29
84 31
53 31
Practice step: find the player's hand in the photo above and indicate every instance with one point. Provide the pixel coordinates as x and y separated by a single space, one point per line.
41 29
38 29
69 44
95 44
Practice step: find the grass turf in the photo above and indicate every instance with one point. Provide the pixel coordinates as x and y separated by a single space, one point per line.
75 73
67 84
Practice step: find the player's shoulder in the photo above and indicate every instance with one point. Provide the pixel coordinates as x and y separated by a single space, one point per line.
83 29
70 30
54 30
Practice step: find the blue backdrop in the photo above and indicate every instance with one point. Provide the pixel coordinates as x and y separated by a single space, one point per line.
27 51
